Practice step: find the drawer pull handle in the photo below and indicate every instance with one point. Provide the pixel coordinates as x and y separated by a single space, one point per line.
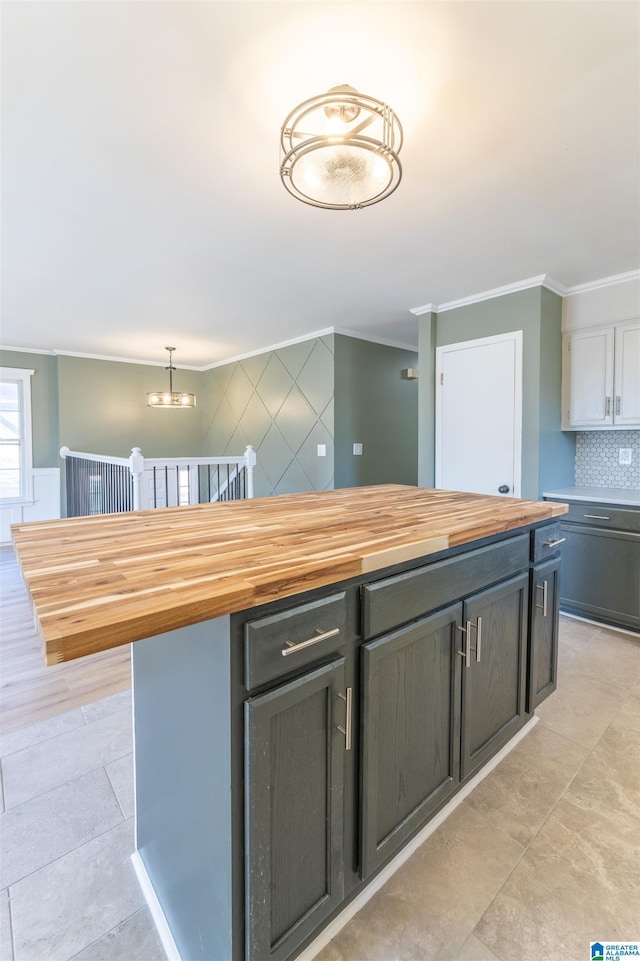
347 729
618 404
598 517
607 407
555 541
466 653
478 639
292 647
544 588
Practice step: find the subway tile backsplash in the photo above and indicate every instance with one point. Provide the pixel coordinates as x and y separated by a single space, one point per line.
597 459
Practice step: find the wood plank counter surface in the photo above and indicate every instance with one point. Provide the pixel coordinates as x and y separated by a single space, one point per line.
98 582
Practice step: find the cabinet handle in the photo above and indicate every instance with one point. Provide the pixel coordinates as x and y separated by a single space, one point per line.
478 627
292 647
347 729
597 517
607 406
544 588
554 542
618 404
466 653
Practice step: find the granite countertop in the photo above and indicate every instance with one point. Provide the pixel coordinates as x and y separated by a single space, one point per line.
98 582
601 495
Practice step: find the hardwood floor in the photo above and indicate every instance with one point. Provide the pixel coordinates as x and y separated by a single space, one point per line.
30 691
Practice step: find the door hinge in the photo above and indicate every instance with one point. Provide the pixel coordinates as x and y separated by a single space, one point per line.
441 379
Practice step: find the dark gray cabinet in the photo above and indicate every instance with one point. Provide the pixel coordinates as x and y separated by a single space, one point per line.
544 599
601 577
494 675
441 695
294 778
601 564
410 730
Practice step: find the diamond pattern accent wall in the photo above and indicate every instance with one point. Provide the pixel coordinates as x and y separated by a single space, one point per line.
597 459
281 402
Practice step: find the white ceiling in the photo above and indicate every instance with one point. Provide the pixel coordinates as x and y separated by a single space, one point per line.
141 200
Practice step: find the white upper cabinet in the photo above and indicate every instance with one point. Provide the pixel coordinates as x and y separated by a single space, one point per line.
601 377
626 379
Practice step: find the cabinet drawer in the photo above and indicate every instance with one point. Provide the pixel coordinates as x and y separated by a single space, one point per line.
603 515
546 542
281 643
397 600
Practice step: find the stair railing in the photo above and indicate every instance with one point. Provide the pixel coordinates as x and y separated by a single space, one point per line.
100 484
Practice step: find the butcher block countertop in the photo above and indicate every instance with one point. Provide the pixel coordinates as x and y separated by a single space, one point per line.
98 582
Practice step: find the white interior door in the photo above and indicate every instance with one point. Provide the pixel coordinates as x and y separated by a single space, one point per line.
479 415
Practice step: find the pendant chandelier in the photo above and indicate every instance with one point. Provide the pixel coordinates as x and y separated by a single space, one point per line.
171 397
340 150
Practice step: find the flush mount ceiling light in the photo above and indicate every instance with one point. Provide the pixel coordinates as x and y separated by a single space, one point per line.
171 397
340 150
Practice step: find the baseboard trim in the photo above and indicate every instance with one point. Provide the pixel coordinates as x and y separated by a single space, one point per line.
335 926
607 627
157 914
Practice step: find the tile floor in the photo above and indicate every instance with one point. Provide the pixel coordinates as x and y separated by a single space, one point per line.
541 859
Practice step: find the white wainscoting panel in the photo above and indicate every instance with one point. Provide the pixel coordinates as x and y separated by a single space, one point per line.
45 505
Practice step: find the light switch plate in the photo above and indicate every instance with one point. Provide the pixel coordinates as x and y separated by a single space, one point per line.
357 448
624 455
322 450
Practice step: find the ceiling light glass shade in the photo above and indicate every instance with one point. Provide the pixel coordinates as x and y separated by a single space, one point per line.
340 150
171 397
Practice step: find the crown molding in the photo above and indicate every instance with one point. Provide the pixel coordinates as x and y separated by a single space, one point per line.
542 280
554 286
113 360
28 350
385 341
267 350
604 282
314 335
425 309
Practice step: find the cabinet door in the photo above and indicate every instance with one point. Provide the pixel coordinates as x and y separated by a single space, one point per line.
600 575
543 632
410 734
627 375
590 363
294 776
494 676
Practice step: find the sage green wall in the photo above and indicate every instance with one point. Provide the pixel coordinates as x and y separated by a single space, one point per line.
557 452
427 329
102 409
547 454
376 407
281 402
44 402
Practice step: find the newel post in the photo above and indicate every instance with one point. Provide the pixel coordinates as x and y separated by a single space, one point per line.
250 462
136 467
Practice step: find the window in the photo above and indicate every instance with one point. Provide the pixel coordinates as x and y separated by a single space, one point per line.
15 434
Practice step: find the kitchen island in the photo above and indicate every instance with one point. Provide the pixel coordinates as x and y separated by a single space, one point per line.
315 677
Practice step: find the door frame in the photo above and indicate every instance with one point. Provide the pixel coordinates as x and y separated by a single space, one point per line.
516 337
